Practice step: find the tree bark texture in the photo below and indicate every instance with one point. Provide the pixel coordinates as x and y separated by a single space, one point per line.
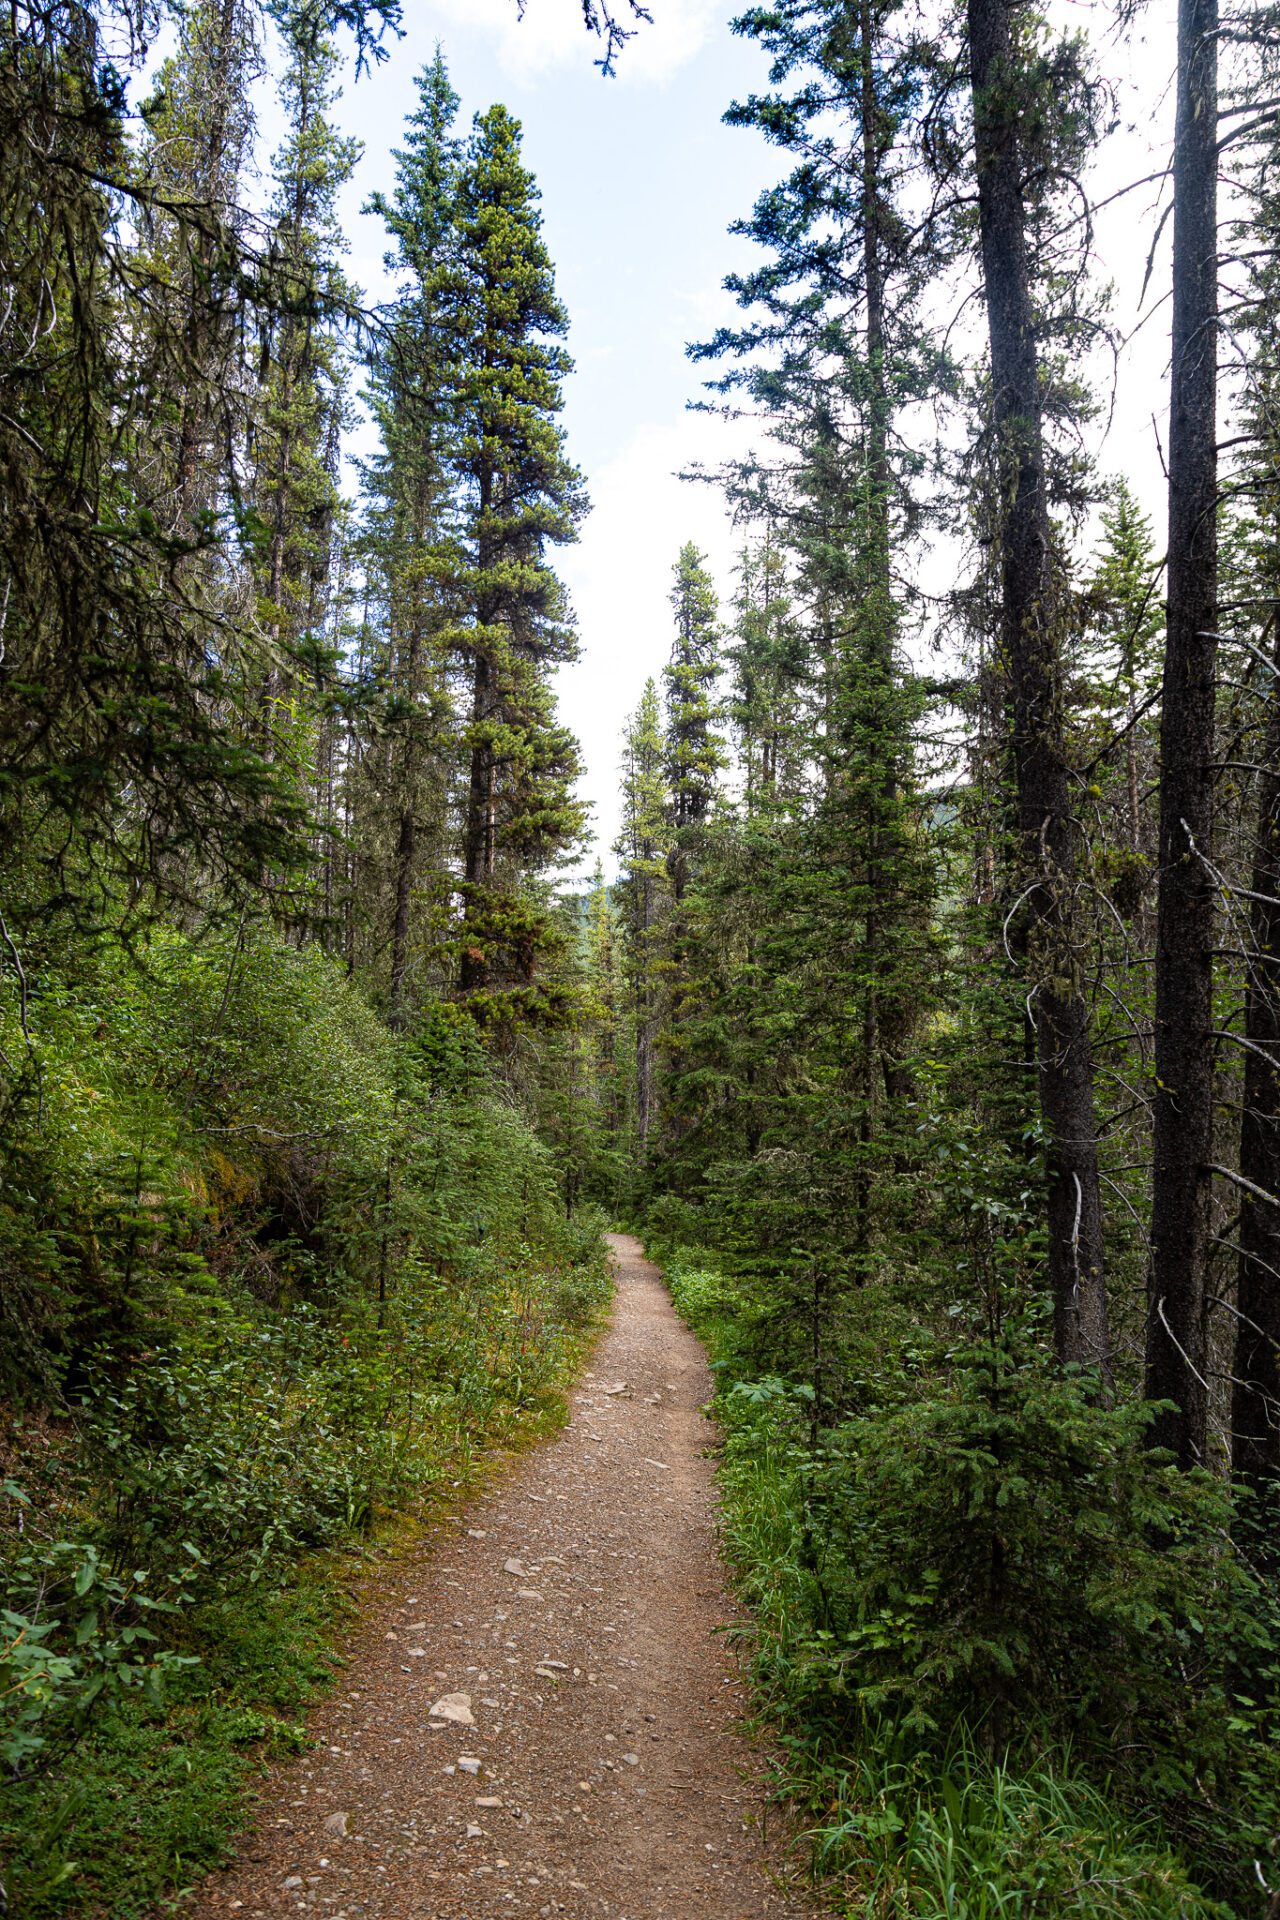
1255 1394
407 838
644 1019
1032 654
1185 916
405 847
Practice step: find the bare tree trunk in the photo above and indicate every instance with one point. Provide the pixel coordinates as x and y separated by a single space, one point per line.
397 1014
644 1021
208 187
1183 1119
479 833
1255 1395
1065 1077
406 842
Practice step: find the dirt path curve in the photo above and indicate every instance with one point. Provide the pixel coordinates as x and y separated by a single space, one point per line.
574 1606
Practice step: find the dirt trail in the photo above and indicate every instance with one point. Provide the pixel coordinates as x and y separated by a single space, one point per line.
575 1607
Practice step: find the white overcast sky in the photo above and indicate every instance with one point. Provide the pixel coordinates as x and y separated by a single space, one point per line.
640 181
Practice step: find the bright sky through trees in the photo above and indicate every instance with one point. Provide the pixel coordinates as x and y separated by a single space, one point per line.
640 182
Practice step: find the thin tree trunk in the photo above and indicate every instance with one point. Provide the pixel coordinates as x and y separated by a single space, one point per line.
397 1011
1076 1273
406 842
479 837
644 1022
1183 1119
888 1015
1255 1395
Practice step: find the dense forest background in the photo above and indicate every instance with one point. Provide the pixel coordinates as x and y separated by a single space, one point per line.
927 1025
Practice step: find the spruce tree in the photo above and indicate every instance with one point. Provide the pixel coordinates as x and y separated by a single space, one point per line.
829 882
644 886
411 487
693 748
1014 90
768 662
520 497
1125 612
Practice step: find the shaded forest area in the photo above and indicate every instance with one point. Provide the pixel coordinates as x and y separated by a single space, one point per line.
948 933
928 1031
287 1023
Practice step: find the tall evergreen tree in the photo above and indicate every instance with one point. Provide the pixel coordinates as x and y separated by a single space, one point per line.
644 886
1007 72
301 407
1125 613
412 485
520 496
693 748
768 661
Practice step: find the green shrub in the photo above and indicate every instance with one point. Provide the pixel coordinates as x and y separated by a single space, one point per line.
74 1637
987 1554
272 1276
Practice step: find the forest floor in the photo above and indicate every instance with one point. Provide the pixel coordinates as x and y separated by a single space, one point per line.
595 1766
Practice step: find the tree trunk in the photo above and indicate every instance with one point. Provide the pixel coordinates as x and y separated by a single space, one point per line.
398 1012
478 849
1031 646
644 1021
406 843
1183 1119
1255 1395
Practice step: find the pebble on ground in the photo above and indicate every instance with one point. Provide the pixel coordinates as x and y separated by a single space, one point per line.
540 1716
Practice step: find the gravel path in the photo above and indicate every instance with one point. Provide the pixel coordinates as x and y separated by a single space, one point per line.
570 1614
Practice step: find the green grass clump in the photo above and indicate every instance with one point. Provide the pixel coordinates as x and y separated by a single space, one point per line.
150 1799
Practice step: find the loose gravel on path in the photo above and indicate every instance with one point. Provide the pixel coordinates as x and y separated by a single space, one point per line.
575 1608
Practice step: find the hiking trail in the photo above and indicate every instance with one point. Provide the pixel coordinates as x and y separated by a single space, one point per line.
570 1614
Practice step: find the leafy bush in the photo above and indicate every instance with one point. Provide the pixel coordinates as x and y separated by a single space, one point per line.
271 1276
72 1639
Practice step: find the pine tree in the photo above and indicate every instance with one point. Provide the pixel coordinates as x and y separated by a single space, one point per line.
643 886
1125 613
411 485
301 409
520 497
768 659
1008 76
694 751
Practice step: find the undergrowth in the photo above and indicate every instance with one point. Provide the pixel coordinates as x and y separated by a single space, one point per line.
902 1693
276 1282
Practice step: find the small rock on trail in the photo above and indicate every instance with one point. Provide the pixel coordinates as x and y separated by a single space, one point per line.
568 1749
